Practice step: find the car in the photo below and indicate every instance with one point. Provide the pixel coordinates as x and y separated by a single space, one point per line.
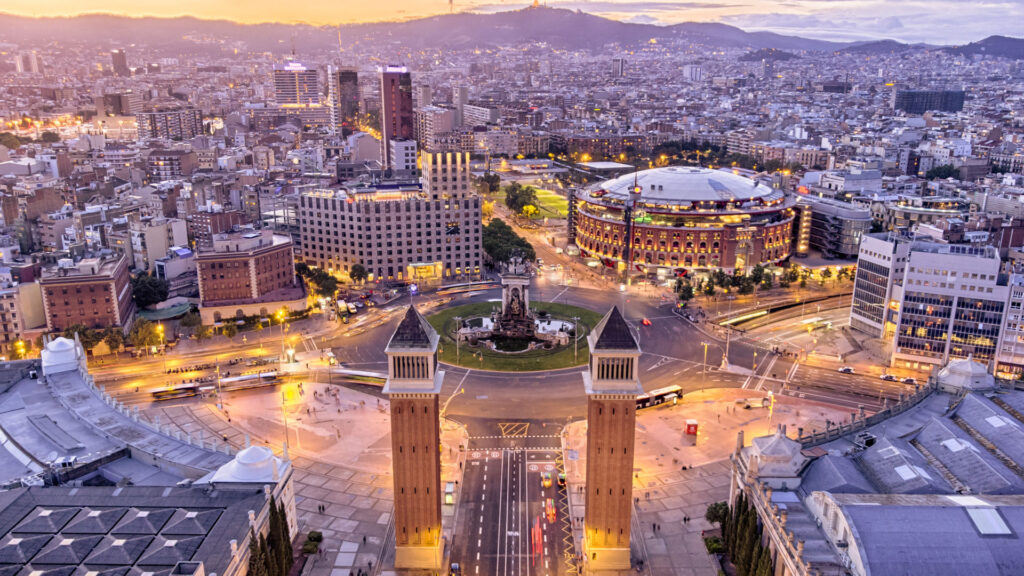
549 509
888 377
561 479
455 570
545 480
909 380
646 322
846 370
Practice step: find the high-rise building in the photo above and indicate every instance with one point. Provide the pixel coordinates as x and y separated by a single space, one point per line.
767 68
432 121
296 85
424 95
921 101
618 67
343 92
460 98
27 62
396 111
119 62
170 120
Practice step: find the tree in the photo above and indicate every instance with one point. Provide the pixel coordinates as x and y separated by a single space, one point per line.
87 336
49 137
686 293
148 290
9 140
230 330
825 275
144 333
487 209
190 321
257 561
517 196
709 288
500 242
942 172
757 274
203 332
530 211
490 182
358 273
114 338
717 513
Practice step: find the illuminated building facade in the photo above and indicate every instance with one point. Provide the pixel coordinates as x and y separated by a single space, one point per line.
685 218
296 85
933 302
421 231
397 118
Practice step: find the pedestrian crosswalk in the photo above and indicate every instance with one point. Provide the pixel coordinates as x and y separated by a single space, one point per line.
499 437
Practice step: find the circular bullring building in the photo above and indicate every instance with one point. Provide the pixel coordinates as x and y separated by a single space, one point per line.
685 218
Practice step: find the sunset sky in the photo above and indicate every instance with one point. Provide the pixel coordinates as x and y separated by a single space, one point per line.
934 21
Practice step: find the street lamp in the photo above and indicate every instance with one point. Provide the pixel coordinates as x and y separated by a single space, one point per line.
160 330
705 366
458 327
575 338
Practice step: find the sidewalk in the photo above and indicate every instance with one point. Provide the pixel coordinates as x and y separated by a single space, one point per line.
665 492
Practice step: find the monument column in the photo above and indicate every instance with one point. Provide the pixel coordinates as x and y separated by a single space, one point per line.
413 386
612 384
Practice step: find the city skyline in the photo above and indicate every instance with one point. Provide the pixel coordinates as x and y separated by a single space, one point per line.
945 22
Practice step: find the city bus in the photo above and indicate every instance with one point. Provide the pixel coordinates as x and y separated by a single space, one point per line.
176 391
659 396
247 381
467 287
372 378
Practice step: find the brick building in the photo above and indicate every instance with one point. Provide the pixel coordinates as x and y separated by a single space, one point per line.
95 292
247 273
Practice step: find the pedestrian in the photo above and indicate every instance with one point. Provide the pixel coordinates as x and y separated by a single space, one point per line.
364 539
654 527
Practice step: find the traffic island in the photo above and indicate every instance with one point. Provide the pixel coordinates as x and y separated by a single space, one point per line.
480 356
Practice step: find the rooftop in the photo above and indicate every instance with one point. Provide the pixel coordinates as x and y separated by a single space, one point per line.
684 185
612 333
413 332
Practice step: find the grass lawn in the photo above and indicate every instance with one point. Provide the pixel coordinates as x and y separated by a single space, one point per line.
470 357
551 204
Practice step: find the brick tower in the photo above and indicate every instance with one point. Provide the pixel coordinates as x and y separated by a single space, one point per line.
612 384
413 386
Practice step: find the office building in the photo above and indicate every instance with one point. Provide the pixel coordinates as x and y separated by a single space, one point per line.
95 292
411 232
836 227
921 101
931 302
119 62
296 85
343 88
27 62
424 95
403 158
460 98
170 120
397 118
247 272
618 67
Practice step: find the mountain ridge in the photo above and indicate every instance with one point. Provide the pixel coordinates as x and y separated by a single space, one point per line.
559 28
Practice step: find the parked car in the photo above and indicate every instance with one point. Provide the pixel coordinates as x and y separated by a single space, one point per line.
888 377
909 380
846 370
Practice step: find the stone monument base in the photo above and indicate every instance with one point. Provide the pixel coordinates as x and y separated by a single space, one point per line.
420 557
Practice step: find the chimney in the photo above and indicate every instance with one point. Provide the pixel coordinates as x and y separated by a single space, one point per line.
234 547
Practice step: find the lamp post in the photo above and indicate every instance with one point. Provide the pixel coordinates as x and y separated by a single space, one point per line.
220 401
705 366
160 330
458 327
575 338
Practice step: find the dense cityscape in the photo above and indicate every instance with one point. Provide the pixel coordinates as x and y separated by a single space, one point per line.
274 298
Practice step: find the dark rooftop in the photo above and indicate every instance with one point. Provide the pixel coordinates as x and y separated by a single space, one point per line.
413 332
120 530
612 333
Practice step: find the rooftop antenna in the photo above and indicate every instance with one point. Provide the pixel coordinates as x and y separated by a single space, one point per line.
340 49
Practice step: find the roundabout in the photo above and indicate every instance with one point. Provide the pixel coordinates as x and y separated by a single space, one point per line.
508 355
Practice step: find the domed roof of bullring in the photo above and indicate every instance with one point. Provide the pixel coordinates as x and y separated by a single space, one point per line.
684 185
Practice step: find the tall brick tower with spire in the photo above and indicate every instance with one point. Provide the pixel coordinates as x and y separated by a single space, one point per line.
413 385
612 384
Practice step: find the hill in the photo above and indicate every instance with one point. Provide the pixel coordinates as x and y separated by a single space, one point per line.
1003 46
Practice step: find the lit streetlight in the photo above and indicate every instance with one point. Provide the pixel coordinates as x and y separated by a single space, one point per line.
705 366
